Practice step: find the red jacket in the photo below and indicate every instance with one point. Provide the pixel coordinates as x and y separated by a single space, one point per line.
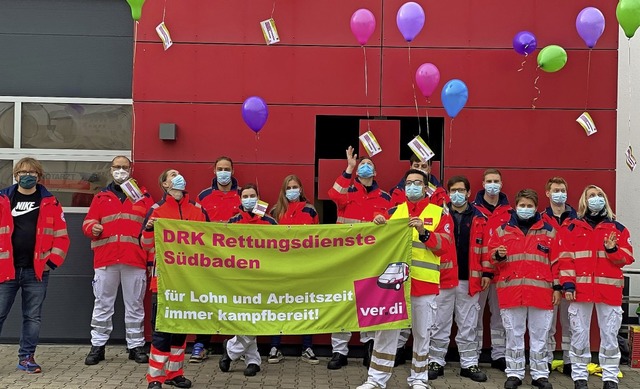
168 208
549 217
244 217
121 221
529 273
500 215
588 267
299 212
52 241
355 203
436 193
477 252
220 206
440 242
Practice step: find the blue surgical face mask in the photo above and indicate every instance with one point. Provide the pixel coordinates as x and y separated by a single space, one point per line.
525 213
223 177
27 182
178 182
492 188
458 199
596 204
248 203
293 194
365 170
559 198
413 192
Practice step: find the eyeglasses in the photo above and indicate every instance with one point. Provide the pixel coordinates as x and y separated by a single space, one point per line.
118 167
414 182
459 190
23 173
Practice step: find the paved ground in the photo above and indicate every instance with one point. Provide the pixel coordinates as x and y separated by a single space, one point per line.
63 367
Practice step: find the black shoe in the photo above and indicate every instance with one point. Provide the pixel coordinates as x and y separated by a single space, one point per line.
435 371
512 383
400 357
580 384
251 370
139 355
337 361
95 355
474 373
610 385
566 369
155 385
542 383
225 359
368 350
179 382
500 364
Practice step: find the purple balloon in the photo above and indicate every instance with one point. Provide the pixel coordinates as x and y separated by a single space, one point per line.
590 25
410 20
255 113
525 43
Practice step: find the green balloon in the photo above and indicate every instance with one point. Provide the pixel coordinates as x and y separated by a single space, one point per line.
552 58
628 14
136 8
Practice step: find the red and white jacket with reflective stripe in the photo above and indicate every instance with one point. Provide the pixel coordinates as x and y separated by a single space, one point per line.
356 204
52 240
588 267
526 277
121 222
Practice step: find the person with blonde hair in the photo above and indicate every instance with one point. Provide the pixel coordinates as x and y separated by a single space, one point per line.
293 208
593 250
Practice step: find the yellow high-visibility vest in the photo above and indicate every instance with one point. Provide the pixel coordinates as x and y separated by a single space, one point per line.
425 265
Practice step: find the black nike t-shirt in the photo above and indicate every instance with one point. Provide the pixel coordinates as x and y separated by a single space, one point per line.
25 210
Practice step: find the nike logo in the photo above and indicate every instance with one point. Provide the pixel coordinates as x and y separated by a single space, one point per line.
23 207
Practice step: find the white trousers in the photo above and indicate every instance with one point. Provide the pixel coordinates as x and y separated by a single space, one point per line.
609 321
497 329
241 345
106 282
423 310
340 341
405 333
563 311
455 301
515 322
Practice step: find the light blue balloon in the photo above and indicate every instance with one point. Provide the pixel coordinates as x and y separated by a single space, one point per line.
454 97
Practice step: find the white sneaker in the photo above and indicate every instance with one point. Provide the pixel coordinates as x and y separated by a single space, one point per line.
421 385
368 385
275 356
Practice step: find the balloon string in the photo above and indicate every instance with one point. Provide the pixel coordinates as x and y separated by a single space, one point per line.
451 131
273 9
586 103
133 84
164 10
426 110
366 87
415 98
535 85
630 91
523 62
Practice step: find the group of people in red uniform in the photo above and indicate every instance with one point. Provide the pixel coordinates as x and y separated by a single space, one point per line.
527 263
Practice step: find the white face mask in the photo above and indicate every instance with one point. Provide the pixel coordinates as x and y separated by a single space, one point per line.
120 176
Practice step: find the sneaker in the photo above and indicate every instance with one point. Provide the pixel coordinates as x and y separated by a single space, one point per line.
542 383
580 384
29 365
155 385
95 355
251 370
368 385
275 356
435 371
512 383
610 385
242 357
421 385
500 364
337 361
138 354
225 360
474 373
310 357
199 353
368 350
179 382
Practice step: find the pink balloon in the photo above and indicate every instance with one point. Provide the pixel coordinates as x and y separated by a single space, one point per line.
427 78
363 23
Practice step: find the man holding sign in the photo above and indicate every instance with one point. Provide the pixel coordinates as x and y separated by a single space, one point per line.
113 224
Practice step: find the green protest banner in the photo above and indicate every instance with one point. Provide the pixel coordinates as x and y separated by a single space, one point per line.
216 278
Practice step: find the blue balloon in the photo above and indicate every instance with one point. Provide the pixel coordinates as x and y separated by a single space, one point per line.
454 97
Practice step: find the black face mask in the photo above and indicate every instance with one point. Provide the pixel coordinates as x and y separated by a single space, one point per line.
28 182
